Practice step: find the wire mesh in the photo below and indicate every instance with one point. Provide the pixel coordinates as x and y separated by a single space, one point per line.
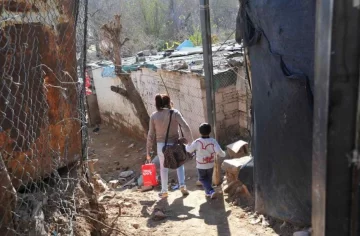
42 114
233 104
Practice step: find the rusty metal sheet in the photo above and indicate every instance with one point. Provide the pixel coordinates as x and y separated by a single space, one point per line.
38 102
18 6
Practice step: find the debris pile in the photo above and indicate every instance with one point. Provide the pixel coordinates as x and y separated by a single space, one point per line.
226 55
238 193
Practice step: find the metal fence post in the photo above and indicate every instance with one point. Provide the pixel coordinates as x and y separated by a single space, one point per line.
335 167
208 63
84 132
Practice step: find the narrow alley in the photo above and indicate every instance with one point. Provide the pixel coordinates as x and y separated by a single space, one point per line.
258 102
192 215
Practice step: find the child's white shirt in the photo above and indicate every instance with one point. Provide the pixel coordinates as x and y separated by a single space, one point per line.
206 150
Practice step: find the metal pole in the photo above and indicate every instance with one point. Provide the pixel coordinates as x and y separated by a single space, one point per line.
321 103
335 175
208 63
354 222
84 132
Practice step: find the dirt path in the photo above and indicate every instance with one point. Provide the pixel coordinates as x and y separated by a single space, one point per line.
192 215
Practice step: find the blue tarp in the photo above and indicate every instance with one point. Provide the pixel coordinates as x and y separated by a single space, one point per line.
108 71
186 44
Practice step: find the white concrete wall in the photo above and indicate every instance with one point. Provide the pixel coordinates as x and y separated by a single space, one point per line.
187 92
115 110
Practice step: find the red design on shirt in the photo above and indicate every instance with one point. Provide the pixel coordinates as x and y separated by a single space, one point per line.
211 150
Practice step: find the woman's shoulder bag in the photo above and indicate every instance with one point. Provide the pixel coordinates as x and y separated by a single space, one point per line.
175 154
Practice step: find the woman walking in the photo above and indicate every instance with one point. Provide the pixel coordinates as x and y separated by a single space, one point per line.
159 122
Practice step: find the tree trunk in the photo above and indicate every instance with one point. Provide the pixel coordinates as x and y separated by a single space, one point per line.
97 45
172 27
113 30
133 95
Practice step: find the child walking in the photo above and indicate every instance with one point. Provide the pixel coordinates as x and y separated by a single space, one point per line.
206 149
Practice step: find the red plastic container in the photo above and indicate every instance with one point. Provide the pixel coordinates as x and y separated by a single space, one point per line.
149 174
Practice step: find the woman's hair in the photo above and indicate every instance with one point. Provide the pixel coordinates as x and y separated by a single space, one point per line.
162 101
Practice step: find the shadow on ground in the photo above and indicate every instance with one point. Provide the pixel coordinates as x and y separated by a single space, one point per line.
178 211
193 215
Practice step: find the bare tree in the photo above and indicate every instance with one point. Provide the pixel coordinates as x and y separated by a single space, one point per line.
223 15
151 23
97 17
112 32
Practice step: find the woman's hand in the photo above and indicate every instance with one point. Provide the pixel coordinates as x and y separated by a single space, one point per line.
183 141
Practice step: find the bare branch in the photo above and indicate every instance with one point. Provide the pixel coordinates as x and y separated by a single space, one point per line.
125 40
93 14
120 91
106 28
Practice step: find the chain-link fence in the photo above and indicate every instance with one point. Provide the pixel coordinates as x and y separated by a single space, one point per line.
232 93
233 103
42 114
